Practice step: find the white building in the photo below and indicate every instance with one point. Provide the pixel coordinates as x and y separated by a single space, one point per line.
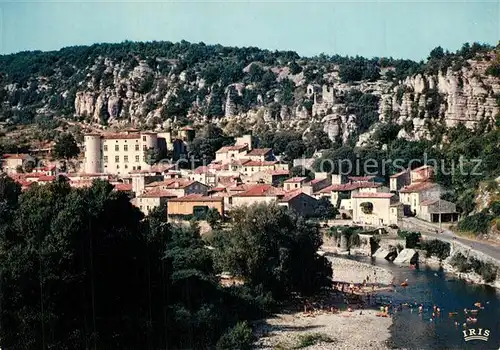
119 153
375 208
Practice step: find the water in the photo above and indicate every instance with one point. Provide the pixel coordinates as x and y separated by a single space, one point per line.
434 287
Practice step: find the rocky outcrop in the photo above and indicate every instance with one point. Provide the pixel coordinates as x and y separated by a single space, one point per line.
407 257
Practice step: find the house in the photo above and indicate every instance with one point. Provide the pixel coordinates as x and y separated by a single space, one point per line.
340 195
294 183
12 162
147 201
421 174
316 185
194 204
299 202
399 180
374 208
270 177
260 154
413 195
255 194
230 153
250 167
436 210
179 187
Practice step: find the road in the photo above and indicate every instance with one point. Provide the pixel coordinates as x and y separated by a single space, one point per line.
429 229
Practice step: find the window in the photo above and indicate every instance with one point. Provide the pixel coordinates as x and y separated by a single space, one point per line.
105 159
105 148
117 159
137 159
296 185
144 148
144 138
117 148
126 166
118 167
125 159
125 148
136 147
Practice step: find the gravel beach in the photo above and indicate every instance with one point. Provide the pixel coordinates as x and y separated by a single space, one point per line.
359 329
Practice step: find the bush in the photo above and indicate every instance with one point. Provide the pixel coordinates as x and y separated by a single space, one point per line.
310 339
459 261
477 223
486 270
238 337
412 238
436 248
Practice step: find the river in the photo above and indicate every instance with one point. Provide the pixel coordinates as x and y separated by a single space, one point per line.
430 287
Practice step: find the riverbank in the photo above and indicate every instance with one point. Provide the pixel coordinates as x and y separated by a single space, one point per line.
333 326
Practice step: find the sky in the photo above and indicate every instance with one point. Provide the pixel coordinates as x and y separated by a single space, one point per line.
398 28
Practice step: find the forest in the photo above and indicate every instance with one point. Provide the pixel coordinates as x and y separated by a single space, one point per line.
83 268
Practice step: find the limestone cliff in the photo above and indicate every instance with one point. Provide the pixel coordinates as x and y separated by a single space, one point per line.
156 83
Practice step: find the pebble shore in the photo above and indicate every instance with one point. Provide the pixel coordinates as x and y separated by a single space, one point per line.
359 329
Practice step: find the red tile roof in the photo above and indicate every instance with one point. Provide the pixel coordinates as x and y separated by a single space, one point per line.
157 194
295 180
429 202
349 187
119 136
123 187
197 198
226 149
287 196
372 195
279 172
172 183
360 178
399 174
418 187
46 178
259 163
259 151
260 191
16 156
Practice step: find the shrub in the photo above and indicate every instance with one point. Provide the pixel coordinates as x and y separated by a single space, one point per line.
476 223
486 270
489 272
436 248
310 339
459 261
238 337
412 238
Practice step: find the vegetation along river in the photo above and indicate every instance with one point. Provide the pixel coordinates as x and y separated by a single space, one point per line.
414 330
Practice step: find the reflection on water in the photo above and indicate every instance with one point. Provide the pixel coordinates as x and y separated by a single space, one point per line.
429 287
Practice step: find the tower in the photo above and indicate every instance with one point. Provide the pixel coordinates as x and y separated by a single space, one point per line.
92 153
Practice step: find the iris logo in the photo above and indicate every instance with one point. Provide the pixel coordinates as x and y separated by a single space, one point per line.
476 334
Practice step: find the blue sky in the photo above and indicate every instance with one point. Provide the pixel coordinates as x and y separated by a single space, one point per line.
402 29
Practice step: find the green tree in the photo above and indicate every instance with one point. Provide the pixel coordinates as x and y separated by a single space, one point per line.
300 171
213 218
65 147
274 249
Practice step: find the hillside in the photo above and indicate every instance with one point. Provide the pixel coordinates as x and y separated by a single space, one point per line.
166 84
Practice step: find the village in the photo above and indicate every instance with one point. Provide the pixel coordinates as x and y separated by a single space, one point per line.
239 175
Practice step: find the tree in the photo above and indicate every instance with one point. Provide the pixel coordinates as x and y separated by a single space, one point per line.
213 217
325 209
238 337
274 249
300 171
295 150
65 147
